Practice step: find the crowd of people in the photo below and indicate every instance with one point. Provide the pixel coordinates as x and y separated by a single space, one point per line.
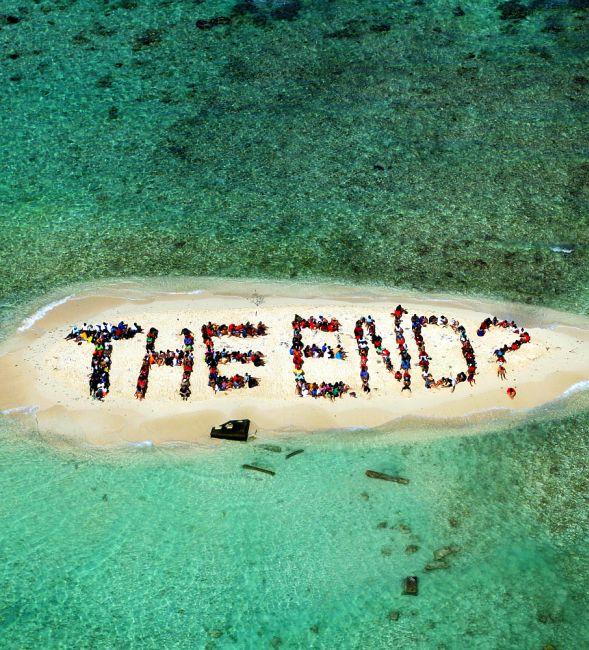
100 336
171 358
404 373
299 352
365 333
214 358
242 330
523 338
417 324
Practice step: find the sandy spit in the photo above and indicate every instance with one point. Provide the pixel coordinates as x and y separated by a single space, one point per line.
43 374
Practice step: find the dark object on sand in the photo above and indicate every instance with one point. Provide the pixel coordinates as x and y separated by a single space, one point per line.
259 469
410 586
294 453
386 477
232 430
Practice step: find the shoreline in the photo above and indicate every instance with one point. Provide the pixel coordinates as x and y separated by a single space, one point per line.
38 368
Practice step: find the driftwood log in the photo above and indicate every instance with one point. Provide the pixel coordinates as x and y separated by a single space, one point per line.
259 469
294 453
387 477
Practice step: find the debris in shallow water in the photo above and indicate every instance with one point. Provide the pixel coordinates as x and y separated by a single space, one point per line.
441 553
410 586
274 448
296 452
436 564
386 477
259 469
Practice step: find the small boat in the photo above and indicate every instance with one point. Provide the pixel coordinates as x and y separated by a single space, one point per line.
232 430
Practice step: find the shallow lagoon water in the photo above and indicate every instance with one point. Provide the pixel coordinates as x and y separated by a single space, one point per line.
166 547
399 143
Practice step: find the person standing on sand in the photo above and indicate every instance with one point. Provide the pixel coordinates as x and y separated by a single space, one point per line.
501 372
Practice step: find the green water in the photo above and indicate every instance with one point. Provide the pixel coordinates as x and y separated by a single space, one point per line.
161 548
398 143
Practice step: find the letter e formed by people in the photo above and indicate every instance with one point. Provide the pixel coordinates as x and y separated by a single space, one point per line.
215 358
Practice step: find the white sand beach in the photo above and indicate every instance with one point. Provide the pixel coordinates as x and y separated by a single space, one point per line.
39 368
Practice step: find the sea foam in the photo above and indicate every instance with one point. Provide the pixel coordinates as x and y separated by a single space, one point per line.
28 410
42 312
576 388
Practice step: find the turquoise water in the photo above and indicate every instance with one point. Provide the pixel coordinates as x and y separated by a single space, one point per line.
400 143
161 548
447 152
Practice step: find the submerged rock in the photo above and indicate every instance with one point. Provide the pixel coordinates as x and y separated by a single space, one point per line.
441 553
412 548
286 9
394 615
513 10
274 448
436 564
147 38
10 19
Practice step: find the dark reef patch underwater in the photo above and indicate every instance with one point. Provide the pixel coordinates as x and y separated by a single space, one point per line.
420 144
